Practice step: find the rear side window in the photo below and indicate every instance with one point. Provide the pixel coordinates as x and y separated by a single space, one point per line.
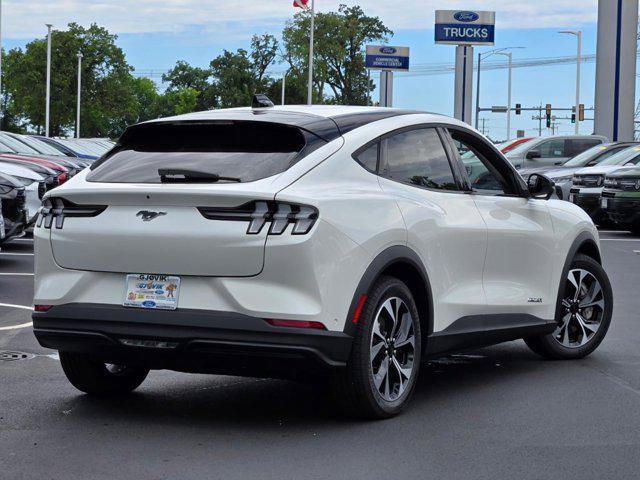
368 158
553 148
579 145
418 157
242 150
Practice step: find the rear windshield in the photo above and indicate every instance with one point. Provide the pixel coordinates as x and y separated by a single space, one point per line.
241 150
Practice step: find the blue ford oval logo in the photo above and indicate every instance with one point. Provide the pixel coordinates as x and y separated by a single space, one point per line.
149 304
388 50
466 16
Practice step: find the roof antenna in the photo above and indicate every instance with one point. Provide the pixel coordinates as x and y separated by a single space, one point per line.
260 100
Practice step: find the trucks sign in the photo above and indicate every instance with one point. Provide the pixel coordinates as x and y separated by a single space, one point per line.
384 57
456 27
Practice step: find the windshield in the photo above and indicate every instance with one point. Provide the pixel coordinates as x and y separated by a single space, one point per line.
241 150
77 147
41 146
592 153
622 157
18 147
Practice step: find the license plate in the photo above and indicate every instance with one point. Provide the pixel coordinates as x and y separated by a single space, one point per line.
156 292
604 202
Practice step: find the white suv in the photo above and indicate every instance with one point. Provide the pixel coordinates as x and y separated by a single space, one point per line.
345 243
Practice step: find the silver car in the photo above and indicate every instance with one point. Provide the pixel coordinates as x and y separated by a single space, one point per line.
551 151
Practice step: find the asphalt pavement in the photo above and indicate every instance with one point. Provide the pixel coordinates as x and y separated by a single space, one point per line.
498 412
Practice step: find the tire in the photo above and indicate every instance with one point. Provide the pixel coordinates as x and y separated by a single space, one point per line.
574 338
98 378
355 389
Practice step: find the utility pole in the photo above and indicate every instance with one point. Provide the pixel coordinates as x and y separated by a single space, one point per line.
284 78
578 35
79 55
48 95
509 55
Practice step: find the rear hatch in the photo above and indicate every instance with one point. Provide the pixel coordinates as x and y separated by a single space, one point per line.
176 198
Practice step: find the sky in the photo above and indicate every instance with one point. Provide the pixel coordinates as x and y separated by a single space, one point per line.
155 34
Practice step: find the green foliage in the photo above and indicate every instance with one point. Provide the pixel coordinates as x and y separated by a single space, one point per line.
340 38
112 97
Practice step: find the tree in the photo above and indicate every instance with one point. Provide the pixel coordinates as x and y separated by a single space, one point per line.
147 99
184 76
108 98
340 38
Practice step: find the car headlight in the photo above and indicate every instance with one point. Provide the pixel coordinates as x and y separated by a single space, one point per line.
5 189
562 179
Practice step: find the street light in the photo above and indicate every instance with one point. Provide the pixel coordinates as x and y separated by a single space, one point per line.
48 95
480 57
79 55
578 35
510 57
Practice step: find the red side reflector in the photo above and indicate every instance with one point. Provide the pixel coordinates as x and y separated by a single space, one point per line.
42 308
356 314
295 324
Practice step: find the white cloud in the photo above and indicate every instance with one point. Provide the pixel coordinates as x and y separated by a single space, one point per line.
24 19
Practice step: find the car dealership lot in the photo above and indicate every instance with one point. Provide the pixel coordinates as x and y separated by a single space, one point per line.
498 412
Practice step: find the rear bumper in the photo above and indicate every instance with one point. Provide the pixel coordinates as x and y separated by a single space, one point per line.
197 341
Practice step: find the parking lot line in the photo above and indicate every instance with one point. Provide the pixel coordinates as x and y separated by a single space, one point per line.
11 305
620 239
16 274
15 327
16 253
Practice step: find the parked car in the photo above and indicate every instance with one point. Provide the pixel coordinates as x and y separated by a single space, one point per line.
562 175
553 150
14 210
620 199
80 148
62 173
589 182
49 175
509 145
47 152
345 242
33 184
67 150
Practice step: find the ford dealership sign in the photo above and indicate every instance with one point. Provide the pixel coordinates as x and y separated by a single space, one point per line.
387 58
454 27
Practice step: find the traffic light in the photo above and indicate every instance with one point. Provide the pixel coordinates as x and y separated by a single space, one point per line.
548 115
518 108
581 112
573 118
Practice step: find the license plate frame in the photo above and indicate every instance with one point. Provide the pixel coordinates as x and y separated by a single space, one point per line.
151 291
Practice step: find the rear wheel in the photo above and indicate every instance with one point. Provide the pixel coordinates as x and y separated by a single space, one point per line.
381 373
583 313
98 378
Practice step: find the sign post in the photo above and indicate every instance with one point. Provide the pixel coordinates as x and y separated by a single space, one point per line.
464 29
387 59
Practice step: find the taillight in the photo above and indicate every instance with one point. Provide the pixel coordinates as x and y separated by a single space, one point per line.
62 178
42 308
58 208
296 324
258 213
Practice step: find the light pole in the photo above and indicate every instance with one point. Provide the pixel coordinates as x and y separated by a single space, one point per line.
509 55
48 95
79 91
480 57
311 33
578 35
1 111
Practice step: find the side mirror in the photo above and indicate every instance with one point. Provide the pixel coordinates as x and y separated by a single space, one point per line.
540 186
533 154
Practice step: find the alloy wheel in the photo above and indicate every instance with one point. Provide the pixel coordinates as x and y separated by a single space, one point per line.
392 349
583 308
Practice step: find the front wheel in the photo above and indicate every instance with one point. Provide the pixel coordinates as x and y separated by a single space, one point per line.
583 313
94 377
381 372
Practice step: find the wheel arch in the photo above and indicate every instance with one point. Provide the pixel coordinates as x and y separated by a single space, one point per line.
585 243
403 263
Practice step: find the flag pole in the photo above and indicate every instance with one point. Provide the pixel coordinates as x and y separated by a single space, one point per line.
310 85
